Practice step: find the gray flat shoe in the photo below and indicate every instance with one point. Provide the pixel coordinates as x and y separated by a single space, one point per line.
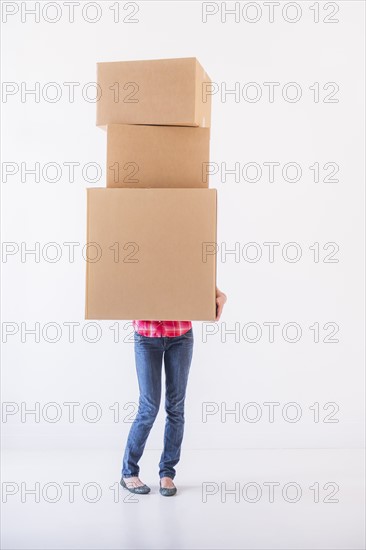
166 492
142 490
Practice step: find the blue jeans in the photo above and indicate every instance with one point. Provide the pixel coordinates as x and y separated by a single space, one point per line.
149 352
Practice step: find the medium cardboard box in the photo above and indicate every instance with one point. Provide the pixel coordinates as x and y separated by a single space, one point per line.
151 254
158 91
156 156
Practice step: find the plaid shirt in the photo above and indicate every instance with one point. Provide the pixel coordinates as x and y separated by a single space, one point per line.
162 328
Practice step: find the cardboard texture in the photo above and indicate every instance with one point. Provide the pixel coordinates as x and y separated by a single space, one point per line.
166 268
156 156
160 91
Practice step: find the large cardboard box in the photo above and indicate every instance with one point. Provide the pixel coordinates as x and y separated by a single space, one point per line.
158 91
152 254
156 156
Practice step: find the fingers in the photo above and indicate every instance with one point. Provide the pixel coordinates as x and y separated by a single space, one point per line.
219 306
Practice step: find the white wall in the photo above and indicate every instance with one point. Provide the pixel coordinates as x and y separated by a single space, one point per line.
306 292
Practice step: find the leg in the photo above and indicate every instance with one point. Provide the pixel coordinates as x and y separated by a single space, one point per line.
177 361
148 355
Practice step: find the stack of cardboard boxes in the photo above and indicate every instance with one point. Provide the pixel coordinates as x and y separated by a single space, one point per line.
151 233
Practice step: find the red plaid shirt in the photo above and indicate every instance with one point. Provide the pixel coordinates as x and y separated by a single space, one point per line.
162 328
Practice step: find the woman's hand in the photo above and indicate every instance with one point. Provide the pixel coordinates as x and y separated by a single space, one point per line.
220 301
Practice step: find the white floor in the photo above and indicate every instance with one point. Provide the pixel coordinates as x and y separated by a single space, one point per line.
189 520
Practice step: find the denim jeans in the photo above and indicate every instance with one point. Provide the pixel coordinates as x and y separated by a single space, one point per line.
149 352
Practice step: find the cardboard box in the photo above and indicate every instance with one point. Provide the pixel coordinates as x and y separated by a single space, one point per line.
158 91
154 254
156 156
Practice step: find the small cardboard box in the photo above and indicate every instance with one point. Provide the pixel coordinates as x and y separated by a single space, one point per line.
157 156
160 91
151 254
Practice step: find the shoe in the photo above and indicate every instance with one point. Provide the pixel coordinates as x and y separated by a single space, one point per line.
167 492
141 490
